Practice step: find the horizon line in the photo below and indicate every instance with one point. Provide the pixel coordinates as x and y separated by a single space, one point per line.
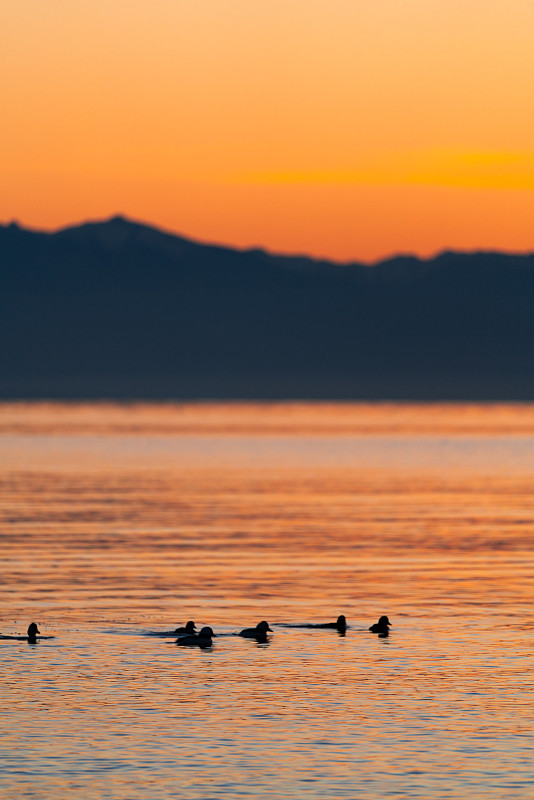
397 255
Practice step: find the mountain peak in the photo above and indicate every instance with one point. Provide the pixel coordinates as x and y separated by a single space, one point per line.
118 219
113 233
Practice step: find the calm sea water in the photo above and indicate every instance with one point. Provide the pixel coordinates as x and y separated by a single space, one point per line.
120 520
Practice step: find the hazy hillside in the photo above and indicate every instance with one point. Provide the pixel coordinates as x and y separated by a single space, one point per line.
117 309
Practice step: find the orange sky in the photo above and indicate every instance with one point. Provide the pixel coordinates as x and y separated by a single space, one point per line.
350 128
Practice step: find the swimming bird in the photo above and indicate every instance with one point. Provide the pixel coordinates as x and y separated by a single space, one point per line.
202 639
188 628
31 635
340 624
381 627
259 632
33 630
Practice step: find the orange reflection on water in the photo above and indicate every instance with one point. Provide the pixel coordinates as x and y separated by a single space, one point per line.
266 418
118 520
133 504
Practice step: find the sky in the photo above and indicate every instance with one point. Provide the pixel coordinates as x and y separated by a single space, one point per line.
347 129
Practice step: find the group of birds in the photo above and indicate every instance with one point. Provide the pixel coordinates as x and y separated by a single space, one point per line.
187 635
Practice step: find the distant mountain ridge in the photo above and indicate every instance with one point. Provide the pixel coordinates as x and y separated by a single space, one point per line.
118 309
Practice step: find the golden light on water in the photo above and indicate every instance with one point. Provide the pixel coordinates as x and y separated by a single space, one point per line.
119 520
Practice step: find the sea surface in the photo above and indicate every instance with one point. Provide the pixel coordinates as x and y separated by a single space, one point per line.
121 520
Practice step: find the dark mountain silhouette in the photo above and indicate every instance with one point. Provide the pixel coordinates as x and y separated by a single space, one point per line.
122 310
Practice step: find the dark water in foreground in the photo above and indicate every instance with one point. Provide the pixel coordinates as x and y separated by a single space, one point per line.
115 521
